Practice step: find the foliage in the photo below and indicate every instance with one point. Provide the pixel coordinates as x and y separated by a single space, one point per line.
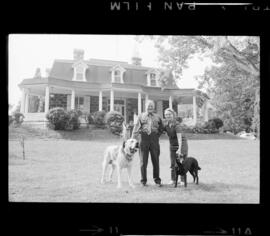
17 118
90 119
214 123
179 119
256 117
210 127
233 95
231 83
10 119
205 129
99 119
114 120
73 121
58 118
185 129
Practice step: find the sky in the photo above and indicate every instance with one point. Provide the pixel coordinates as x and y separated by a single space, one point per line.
27 52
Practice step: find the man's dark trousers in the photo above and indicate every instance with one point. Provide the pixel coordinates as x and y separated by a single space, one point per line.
149 143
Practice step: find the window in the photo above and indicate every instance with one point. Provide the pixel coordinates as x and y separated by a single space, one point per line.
117 76
79 73
153 81
153 77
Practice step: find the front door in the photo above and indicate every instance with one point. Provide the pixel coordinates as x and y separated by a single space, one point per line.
119 106
79 101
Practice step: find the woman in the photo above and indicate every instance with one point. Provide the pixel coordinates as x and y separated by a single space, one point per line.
178 141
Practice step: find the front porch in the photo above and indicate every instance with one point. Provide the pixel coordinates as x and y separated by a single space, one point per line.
130 102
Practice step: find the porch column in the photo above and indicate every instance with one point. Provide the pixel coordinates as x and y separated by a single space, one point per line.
146 98
170 102
22 109
205 111
112 101
100 101
139 103
72 104
194 110
26 104
47 99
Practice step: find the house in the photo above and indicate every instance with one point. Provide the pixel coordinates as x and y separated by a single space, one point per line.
94 85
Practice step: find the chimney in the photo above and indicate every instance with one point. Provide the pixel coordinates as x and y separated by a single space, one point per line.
37 73
78 54
136 59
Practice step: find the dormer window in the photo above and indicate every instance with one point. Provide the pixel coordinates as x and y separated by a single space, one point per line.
152 78
153 81
79 71
117 74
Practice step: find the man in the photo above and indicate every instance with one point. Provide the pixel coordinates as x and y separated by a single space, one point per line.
149 126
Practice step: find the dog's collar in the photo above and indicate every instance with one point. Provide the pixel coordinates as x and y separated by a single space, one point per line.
127 156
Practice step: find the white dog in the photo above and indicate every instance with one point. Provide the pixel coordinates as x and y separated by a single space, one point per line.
120 157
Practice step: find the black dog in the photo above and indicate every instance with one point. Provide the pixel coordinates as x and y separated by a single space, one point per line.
183 165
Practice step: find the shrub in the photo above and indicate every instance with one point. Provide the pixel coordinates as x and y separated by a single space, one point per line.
90 119
209 127
114 120
218 122
10 119
17 118
185 129
73 121
58 118
99 119
179 120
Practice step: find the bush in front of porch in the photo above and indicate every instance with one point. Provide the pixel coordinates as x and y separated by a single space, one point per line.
59 119
99 119
73 121
114 120
16 118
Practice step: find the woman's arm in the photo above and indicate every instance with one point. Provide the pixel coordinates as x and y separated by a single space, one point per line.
161 128
182 140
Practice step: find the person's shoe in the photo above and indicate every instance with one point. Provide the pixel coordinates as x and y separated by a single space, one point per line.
158 184
144 184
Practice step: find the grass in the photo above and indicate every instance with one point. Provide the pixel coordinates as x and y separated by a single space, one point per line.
66 167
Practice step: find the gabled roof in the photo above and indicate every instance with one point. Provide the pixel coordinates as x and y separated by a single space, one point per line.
118 67
79 63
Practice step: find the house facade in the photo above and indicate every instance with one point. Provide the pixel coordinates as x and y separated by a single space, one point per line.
94 85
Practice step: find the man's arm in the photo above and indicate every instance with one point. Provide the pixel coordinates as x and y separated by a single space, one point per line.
136 128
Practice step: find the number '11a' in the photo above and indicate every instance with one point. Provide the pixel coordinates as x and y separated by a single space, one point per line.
240 231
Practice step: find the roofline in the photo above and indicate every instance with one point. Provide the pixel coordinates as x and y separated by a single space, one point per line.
46 80
123 64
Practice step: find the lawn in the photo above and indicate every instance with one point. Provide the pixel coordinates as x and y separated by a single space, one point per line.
66 167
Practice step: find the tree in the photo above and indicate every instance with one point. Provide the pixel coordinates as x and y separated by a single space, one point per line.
233 94
231 83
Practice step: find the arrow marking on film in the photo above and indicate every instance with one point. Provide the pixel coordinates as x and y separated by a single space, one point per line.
95 230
